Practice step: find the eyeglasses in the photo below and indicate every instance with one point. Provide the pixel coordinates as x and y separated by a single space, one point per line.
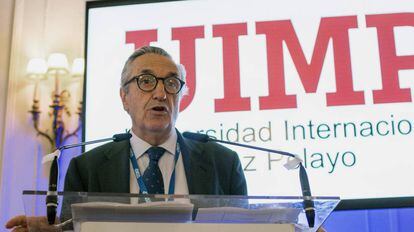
148 82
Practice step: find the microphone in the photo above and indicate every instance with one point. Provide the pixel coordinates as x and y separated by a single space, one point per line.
308 204
52 194
115 138
205 138
307 196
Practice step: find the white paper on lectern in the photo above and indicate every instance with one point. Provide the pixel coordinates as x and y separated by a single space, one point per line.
235 214
111 211
156 204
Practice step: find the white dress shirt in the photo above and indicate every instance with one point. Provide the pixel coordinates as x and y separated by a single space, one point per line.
166 164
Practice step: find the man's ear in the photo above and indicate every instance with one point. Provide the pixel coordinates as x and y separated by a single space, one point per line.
123 96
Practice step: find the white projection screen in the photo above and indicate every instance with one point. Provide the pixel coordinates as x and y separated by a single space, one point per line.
330 81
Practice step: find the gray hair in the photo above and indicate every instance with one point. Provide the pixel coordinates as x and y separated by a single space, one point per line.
150 50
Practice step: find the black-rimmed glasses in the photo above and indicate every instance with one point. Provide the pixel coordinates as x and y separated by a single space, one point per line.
148 82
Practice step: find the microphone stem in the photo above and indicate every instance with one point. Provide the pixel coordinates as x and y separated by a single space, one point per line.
308 204
253 147
52 194
84 143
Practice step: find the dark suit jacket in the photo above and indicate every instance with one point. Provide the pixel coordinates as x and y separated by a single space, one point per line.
209 168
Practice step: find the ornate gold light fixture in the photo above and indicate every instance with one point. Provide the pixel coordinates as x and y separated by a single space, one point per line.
56 67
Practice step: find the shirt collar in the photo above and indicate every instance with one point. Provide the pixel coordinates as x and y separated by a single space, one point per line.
139 146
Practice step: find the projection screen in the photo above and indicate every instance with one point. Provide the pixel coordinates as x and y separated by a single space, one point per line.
330 81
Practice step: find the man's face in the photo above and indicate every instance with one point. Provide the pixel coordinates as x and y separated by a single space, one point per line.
152 112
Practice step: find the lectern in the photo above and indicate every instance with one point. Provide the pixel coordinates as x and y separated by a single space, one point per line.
175 213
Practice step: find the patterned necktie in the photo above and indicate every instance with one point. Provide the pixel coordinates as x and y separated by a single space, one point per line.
152 175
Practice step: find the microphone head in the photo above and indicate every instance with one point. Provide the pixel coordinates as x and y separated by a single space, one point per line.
196 136
121 137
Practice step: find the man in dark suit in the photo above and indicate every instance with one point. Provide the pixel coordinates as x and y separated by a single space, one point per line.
151 90
209 169
157 159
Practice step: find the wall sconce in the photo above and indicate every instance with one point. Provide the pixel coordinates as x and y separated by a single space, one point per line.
56 67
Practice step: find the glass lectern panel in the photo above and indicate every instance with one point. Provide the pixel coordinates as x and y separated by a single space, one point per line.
78 207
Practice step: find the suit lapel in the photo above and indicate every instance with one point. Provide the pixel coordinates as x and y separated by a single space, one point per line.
198 167
113 173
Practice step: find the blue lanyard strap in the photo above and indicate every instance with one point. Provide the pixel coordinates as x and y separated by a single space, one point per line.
142 188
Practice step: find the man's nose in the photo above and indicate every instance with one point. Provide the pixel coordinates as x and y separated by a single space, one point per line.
159 91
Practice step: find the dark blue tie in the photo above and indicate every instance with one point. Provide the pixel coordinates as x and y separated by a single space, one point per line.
152 175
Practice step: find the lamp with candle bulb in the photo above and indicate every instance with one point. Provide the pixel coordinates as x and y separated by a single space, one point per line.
56 67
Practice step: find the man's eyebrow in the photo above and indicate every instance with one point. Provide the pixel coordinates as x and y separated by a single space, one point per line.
149 71
172 74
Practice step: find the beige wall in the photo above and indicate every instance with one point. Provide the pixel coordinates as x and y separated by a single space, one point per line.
36 28
6 21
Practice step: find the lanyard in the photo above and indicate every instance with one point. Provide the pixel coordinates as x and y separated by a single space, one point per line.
142 188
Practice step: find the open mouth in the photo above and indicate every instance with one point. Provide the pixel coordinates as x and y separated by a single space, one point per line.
159 108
